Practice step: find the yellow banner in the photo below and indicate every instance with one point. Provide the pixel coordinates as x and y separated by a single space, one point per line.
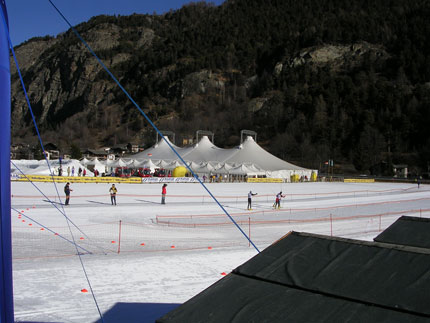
77 179
359 180
265 180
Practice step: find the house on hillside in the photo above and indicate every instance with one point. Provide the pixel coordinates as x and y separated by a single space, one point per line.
99 153
133 148
119 150
21 151
51 151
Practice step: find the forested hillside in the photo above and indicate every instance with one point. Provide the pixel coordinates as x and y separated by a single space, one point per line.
317 80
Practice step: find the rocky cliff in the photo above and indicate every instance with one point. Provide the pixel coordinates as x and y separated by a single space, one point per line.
329 81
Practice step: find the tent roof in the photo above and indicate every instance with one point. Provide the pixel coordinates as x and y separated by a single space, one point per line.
248 153
408 231
205 150
160 150
339 279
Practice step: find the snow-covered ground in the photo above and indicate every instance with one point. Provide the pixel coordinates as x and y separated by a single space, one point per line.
169 253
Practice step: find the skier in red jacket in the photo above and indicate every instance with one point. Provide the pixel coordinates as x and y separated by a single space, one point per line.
163 194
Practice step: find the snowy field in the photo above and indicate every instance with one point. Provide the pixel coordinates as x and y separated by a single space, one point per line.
143 258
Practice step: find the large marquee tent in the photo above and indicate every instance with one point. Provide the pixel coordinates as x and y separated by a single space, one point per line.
247 159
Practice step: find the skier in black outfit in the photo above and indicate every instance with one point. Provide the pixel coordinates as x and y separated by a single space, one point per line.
67 191
250 195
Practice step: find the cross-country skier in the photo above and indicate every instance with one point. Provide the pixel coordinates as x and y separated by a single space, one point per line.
163 194
113 192
277 204
67 191
250 195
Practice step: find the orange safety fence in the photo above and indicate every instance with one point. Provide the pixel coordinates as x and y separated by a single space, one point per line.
322 219
33 241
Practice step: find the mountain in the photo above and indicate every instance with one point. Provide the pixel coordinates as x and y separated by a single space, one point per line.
317 80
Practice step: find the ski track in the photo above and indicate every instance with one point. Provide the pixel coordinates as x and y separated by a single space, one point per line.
48 289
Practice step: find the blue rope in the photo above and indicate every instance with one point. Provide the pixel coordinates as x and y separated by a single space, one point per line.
52 176
45 227
151 123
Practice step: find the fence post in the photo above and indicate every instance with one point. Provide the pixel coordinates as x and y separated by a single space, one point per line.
331 225
249 231
119 237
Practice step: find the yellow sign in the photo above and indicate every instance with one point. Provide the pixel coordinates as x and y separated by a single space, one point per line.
359 180
265 180
77 179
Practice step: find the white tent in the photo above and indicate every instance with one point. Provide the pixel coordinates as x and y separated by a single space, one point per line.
204 150
240 170
201 168
135 163
85 162
100 166
206 158
223 168
249 151
149 164
160 151
117 163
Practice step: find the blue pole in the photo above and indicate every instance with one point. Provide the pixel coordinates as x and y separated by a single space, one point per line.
6 284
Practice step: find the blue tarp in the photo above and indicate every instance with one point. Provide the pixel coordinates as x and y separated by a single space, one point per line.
6 291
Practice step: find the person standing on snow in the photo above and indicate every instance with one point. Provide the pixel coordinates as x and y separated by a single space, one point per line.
67 191
277 204
113 192
163 194
250 195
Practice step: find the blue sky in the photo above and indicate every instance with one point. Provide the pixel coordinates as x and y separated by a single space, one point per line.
31 18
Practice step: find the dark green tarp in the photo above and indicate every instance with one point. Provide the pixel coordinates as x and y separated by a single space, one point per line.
312 278
408 231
